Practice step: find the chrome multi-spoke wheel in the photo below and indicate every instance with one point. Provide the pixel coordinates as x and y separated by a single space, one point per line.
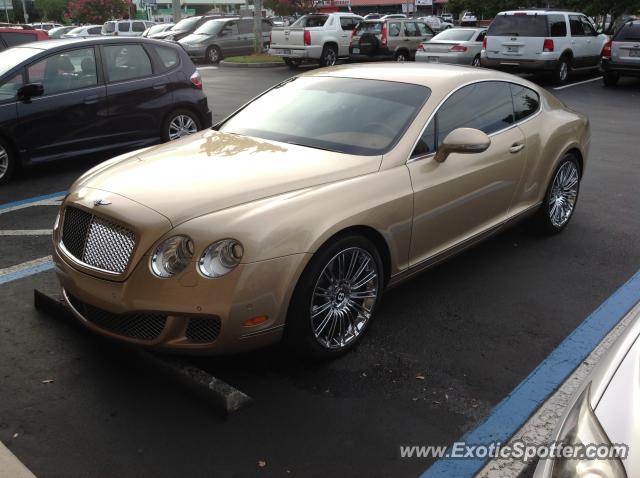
564 193
7 163
4 162
344 297
329 56
181 125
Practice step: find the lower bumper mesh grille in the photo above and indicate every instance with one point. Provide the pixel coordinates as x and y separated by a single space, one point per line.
136 325
203 329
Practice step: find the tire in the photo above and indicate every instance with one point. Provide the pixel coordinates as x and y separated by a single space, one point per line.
341 319
213 55
553 216
610 78
476 61
291 63
401 56
369 44
329 56
8 162
561 72
180 123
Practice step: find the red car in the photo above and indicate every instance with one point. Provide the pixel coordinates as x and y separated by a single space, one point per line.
12 35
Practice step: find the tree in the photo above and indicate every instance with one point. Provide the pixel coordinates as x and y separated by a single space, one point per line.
51 9
97 11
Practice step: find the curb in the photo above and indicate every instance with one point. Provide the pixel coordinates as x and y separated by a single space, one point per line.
249 65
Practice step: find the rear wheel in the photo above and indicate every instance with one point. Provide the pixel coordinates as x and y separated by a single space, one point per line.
329 56
7 162
178 124
292 62
401 56
610 78
214 55
336 298
476 61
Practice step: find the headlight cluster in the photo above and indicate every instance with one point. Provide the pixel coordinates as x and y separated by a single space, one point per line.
173 255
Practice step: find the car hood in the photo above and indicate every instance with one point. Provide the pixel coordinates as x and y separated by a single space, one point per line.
210 171
167 33
194 38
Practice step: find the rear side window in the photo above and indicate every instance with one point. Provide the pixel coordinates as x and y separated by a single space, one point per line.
519 25
124 26
576 26
311 21
557 26
12 39
127 62
245 26
168 56
138 27
369 27
629 32
423 29
394 29
94 31
347 23
410 29
525 101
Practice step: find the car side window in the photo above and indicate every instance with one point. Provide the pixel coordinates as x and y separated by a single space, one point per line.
9 88
410 29
127 62
525 101
124 26
481 35
394 29
245 26
230 28
486 106
423 30
95 30
557 26
138 27
427 142
346 23
587 26
576 26
66 71
168 56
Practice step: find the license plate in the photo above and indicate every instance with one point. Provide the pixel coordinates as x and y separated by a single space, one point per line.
433 59
356 51
512 49
634 53
281 52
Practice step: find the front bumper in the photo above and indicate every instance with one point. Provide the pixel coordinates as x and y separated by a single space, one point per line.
250 290
518 65
197 52
610 66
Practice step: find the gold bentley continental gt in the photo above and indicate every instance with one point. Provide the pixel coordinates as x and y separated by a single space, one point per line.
287 220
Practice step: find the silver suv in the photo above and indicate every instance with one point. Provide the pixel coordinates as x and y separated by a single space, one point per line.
621 55
393 39
537 41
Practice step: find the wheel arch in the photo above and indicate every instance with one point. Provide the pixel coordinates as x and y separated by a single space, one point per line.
331 43
182 106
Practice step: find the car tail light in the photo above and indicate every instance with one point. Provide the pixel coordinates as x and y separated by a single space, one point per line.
383 35
484 43
421 47
458 48
547 46
196 80
307 37
606 50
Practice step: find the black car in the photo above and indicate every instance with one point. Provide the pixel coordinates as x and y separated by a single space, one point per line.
65 98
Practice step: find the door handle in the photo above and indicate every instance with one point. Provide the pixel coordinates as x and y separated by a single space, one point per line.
160 86
90 100
516 148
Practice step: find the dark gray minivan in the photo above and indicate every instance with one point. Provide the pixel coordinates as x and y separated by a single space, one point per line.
222 37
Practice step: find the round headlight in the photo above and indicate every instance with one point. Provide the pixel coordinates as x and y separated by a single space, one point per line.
220 258
172 256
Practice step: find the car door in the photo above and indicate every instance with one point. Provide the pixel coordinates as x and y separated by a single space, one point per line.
578 41
246 37
70 117
138 98
347 24
229 39
467 194
593 44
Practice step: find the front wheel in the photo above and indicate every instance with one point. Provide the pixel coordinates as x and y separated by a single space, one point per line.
178 124
336 298
561 197
213 55
561 73
7 162
610 78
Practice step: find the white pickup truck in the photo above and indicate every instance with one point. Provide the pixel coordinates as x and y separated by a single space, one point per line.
319 37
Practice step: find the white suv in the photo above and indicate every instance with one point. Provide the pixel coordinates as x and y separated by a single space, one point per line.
542 41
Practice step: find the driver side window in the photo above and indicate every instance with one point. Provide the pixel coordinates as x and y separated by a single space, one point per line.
9 89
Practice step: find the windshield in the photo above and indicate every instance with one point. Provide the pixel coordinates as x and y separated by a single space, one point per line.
156 29
519 25
75 31
13 56
345 115
455 35
186 24
629 32
109 27
311 21
212 27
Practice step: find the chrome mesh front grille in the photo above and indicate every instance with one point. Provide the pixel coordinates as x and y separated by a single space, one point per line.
136 325
202 329
96 241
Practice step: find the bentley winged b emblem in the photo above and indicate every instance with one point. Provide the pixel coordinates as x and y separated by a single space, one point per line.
101 202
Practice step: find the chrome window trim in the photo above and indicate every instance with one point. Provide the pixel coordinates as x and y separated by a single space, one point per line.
437 108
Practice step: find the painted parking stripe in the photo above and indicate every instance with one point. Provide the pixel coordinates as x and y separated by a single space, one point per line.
25 269
509 415
26 232
10 465
28 202
578 83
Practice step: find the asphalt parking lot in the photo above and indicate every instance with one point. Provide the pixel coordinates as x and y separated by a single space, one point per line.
445 348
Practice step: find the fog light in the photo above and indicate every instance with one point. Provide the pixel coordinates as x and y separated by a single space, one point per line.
253 321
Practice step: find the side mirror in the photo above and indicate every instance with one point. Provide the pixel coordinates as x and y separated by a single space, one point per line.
463 140
28 91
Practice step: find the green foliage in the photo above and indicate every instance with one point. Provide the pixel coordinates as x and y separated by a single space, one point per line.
51 9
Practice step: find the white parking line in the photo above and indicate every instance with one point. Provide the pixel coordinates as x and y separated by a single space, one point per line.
45 202
19 271
578 83
207 68
26 232
11 466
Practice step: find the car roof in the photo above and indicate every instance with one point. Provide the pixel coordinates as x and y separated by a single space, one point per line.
539 12
63 42
440 78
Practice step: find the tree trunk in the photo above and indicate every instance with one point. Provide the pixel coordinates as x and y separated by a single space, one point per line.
176 10
257 26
